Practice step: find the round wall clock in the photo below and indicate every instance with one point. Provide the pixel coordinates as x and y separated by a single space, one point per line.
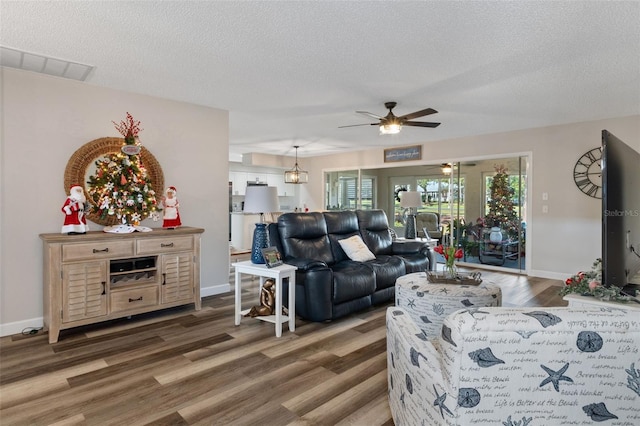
587 173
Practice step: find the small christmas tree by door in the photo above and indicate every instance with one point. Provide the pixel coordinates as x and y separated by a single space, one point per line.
502 209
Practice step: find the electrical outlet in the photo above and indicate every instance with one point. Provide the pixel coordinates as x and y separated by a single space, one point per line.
545 196
545 209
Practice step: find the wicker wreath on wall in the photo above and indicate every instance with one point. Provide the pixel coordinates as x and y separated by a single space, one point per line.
87 154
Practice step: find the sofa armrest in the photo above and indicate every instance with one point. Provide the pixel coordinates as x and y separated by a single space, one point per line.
304 265
409 247
314 283
415 375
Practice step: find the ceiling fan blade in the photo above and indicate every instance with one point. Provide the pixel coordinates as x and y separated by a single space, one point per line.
355 125
420 124
417 114
369 114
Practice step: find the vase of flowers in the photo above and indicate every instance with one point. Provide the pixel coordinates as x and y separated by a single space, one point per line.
589 283
450 254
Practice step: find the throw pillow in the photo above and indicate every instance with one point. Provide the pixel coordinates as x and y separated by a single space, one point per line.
356 249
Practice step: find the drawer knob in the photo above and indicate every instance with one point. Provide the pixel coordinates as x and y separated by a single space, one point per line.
135 300
104 250
166 245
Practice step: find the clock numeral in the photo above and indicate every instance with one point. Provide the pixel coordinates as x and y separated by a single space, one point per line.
593 190
578 175
592 158
583 182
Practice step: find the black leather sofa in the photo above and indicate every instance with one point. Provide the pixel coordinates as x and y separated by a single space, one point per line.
329 285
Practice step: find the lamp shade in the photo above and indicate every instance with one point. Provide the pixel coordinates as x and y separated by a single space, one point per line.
296 176
411 199
261 199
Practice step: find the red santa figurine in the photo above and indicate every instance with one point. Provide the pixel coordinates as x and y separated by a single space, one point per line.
74 207
171 216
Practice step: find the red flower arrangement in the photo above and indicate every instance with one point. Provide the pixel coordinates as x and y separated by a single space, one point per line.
590 283
450 255
128 128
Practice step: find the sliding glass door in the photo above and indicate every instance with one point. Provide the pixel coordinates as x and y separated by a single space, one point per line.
494 228
468 201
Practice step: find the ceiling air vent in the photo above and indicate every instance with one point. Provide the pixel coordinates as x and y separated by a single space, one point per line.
19 59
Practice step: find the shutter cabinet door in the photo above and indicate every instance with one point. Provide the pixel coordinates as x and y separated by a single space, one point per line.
177 277
84 290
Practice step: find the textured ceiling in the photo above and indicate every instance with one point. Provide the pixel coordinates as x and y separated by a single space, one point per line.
291 73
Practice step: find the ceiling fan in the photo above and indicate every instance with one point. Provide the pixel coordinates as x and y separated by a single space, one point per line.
392 124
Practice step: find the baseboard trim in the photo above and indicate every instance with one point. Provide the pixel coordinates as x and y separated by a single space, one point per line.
549 275
17 327
215 289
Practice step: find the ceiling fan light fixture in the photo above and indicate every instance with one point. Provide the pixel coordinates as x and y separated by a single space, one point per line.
296 175
447 168
390 128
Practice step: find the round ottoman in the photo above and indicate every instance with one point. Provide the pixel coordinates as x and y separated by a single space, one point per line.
428 304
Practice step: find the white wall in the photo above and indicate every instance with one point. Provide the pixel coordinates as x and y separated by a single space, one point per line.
563 241
44 120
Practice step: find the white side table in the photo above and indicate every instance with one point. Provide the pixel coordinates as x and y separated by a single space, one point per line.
278 274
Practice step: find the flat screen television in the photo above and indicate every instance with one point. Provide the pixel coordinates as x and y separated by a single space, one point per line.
620 214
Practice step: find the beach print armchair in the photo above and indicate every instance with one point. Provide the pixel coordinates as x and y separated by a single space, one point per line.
516 367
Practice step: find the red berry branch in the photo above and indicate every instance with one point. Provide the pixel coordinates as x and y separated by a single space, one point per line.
128 128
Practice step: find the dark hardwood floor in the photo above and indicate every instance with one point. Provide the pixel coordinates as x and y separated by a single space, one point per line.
182 367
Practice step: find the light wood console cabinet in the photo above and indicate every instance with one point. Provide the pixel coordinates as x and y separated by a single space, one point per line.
100 276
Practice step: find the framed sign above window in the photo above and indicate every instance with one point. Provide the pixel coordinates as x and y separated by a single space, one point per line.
406 153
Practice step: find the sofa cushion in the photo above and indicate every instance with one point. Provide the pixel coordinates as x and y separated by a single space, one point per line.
387 269
305 236
355 249
374 229
352 280
340 225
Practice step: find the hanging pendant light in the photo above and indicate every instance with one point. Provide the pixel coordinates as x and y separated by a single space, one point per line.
296 175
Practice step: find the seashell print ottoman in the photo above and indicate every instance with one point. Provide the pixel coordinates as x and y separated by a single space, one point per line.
428 304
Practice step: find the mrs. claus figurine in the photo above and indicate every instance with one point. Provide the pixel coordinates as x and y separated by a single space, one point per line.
171 216
74 207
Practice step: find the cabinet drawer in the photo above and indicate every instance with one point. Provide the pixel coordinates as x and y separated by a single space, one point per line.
96 250
134 298
164 245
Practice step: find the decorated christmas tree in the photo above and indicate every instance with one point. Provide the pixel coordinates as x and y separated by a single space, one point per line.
502 210
120 186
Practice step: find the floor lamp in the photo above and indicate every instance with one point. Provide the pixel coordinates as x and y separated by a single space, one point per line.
411 200
260 199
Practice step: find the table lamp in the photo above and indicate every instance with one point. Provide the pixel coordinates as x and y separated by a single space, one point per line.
260 199
411 200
